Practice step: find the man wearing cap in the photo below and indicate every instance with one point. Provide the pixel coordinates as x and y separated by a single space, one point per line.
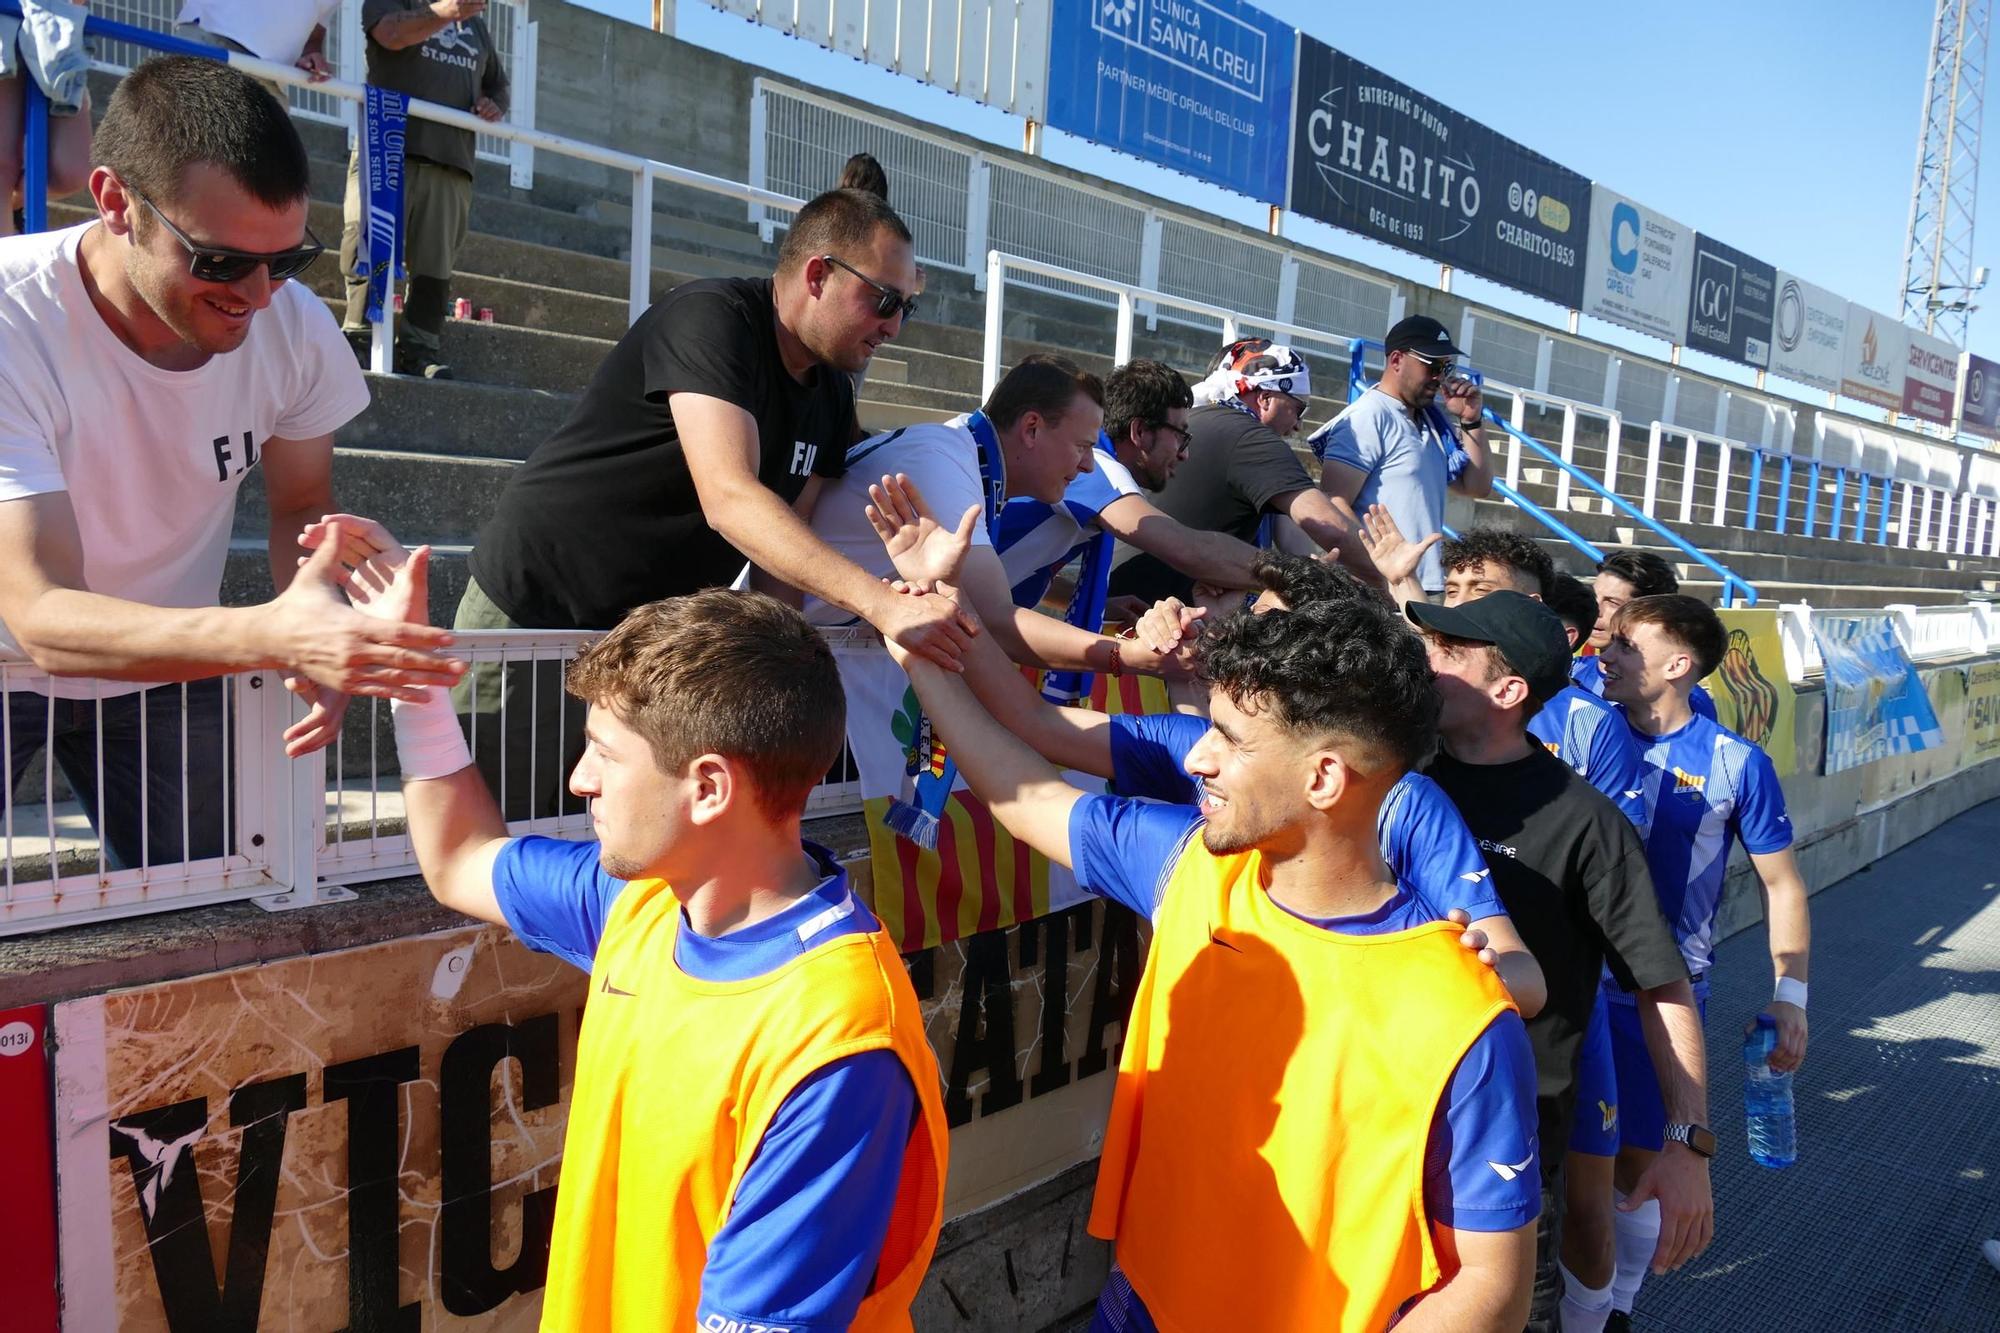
1240 468
1398 445
1571 872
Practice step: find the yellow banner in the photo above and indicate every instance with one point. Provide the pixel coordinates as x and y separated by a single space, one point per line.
1982 712
1753 695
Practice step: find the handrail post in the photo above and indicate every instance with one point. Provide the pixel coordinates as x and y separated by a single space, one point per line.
1614 442
1784 494
1721 511
35 163
1812 498
1654 440
639 291
1861 505
1689 457
996 281
1568 456
1903 519
1122 344
1837 513
1756 490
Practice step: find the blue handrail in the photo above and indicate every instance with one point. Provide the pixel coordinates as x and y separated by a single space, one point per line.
1358 349
35 123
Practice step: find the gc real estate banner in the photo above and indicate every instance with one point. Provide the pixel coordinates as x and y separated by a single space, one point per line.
1807 333
1636 266
1730 303
1380 158
1202 86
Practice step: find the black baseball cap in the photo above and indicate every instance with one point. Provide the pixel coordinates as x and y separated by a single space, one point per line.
1420 333
1527 632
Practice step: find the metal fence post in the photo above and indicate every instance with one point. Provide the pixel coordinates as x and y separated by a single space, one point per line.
1288 289
1152 235
996 286
1122 341
527 54
639 292
978 202
760 159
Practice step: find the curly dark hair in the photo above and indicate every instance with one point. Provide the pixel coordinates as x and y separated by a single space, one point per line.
1571 598
1348 667
1476 546
1300 580
1649 574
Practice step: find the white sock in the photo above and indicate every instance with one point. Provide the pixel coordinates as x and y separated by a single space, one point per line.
1584 1309
1638 1235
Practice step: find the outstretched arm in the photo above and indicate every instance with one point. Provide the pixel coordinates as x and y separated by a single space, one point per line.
455 827
1025 792
1206 557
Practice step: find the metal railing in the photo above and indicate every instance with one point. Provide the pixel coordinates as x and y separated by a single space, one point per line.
1926 632
643 171
88 835
961 203
1126 299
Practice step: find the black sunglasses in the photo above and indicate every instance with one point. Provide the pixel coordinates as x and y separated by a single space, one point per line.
891 300
211 263
1181 433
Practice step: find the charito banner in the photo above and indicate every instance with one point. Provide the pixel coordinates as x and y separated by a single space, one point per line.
1980 408
1930 378
1753 695
1203 86
1808 332
1636 270
1730 303
1380 158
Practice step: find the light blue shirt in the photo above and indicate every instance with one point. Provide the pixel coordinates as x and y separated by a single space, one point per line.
1406 465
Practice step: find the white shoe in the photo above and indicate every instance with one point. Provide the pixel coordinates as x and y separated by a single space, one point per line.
1992 1251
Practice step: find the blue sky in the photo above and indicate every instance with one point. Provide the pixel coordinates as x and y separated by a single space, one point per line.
1786 129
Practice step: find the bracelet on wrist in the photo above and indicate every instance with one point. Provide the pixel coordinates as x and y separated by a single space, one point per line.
1117 660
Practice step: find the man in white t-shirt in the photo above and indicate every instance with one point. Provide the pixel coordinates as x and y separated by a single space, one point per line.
1035 434
149 360
284 32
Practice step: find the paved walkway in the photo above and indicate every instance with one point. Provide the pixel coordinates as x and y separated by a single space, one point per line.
1898 1180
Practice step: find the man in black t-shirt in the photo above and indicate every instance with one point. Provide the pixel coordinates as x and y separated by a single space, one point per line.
700 444
1571 872
1239 468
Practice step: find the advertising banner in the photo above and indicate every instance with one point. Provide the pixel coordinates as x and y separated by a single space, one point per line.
1930 379
1807 333
1202 86
1874 357
1636 266
28 1186
1377 157
1731 302
1876 705
371 1138
1982 712
1980 409
1753 695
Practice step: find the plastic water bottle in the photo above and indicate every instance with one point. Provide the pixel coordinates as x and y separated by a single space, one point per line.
1767 1099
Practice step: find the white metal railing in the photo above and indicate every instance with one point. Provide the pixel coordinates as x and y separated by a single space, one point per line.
961 202
1126 298
1570 411
83 836
1925 632
643 171
1549 362
515 43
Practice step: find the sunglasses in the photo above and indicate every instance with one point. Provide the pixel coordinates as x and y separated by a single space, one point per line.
1442 365
209 263
1180 433
890 300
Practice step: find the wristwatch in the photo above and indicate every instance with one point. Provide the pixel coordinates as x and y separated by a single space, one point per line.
1473 424
1697 1137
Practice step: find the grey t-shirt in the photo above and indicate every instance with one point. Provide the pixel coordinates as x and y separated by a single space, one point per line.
453 67
1407 466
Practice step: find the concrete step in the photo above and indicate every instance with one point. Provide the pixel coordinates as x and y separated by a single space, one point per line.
419 497
453 418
